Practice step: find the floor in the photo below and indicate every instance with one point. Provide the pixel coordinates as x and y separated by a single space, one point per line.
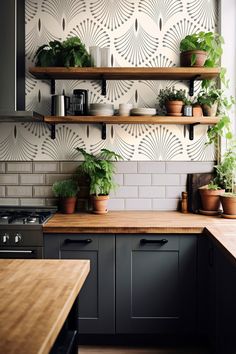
132 350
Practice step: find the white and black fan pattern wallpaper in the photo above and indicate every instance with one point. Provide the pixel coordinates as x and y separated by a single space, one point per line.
139 33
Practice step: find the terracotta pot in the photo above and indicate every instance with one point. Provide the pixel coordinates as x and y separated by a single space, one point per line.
228 204
67 205
210 111
174 108
210 198
185 58
197 111
100 204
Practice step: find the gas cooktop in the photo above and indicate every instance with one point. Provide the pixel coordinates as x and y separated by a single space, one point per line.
25 215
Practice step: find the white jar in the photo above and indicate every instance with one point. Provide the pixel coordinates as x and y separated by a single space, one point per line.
125 108
95 56
105 57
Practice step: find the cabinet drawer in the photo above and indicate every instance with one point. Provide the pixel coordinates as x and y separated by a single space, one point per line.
153 241
79 242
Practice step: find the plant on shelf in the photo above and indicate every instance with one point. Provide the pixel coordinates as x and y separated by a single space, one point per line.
71 52
201 49
210 99
100 169
172 100
66 191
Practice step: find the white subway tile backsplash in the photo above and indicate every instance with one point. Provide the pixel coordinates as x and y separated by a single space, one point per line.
9 179
151 192
2 191
51 178
137 179
125 192
119 179
165 179
19 191
32 201
165 204
138 204
2 167
42 192
126 167
43 167
116 204
19 167
151 167
68 166
9 201
174 191
32 179
189 166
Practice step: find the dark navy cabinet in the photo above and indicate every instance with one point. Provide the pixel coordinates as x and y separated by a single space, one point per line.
97 298
156 283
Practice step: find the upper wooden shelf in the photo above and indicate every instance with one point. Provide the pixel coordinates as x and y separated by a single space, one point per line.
131 120
127 73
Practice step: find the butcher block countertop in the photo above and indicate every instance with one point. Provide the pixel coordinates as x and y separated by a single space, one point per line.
133 222
36 298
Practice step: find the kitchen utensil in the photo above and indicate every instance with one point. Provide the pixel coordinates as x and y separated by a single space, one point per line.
80 102
60 105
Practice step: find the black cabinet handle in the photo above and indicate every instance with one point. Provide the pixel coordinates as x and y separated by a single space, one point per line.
86 240
143 241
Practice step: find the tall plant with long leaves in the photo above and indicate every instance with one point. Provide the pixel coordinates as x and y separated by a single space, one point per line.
100 169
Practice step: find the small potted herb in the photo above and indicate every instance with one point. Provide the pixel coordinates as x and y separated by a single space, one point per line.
172 100
71 52
66 191
100 170
201 49
209 99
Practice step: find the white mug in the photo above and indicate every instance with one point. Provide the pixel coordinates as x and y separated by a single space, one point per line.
125 108
95 56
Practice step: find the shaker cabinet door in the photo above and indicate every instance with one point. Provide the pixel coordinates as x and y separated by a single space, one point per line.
97 297
155 283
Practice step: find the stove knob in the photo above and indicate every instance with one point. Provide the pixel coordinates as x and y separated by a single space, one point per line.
5 238
17 238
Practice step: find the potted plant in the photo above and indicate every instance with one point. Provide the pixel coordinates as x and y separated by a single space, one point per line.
209 99
100 170
66 191
172 100
210 198
71 52
201 49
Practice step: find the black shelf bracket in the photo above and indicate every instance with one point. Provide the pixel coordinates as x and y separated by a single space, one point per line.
53 131
191 85
191 130
53 87
104 86
104 131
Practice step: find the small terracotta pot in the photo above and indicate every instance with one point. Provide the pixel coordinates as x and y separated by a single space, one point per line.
210 198
210 111
174 108
100 204
228 204
197 111
186 57
67 205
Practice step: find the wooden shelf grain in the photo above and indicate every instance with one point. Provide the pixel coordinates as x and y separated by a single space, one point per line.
131 120
125 73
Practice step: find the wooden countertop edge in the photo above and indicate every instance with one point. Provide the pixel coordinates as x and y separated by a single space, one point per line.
55 330
123 230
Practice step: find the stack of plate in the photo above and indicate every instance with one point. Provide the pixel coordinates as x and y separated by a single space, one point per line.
101 109
143 111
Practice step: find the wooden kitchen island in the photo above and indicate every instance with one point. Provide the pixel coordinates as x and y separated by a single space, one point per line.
37 296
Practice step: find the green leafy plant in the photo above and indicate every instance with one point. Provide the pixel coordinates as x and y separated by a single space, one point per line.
171 94
100 170
209 42
65 189
71 52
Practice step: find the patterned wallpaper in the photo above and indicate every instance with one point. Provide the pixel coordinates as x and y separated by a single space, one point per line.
139 33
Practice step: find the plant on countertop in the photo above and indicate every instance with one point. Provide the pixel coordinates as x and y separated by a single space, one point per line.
71 52
209 42
100 169
66 191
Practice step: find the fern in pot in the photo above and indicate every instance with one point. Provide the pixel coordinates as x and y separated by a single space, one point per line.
100 170
66 192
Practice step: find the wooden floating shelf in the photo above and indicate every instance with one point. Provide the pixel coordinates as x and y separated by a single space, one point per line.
125 73
131 120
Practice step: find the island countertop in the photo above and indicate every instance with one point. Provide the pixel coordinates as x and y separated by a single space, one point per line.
36 298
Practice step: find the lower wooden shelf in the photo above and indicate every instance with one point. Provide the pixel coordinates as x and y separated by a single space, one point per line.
131 120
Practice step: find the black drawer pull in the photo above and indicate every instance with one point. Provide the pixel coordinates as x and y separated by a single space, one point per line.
86 240
143 241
